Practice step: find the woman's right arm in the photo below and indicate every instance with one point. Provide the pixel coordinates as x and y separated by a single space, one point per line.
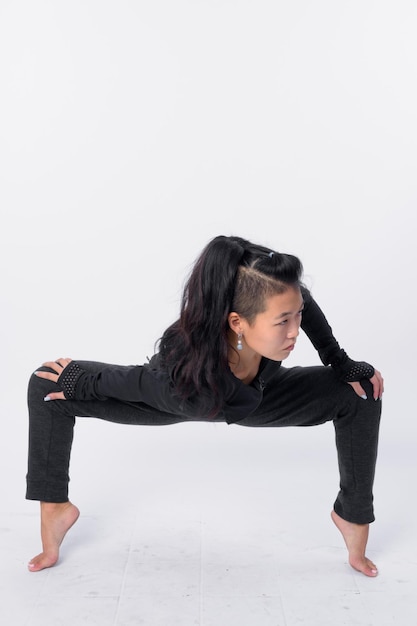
131 383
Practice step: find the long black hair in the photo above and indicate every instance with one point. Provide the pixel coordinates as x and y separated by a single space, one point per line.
231 274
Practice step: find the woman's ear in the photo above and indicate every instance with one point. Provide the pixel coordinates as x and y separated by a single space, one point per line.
235 323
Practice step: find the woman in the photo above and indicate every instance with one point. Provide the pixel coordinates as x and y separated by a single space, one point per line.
241 312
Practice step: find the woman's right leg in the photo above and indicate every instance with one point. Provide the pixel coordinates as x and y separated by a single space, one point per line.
51 426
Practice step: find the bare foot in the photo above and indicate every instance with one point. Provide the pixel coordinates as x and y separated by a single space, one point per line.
56 520
356 538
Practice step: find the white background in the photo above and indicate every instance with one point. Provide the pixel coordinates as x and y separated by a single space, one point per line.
133 132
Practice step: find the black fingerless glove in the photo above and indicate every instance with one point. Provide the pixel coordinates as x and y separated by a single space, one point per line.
351 371
69 378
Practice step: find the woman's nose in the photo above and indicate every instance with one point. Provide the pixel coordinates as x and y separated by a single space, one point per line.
294 330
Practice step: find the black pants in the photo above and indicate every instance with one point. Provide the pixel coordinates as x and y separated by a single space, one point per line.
299 396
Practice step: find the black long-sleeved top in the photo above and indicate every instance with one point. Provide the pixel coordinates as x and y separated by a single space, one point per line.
150 384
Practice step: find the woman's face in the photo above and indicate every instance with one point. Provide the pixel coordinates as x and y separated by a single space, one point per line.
274 332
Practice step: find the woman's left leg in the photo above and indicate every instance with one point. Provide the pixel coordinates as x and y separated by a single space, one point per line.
307 396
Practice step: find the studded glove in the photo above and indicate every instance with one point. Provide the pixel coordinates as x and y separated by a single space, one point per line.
69 378
351 371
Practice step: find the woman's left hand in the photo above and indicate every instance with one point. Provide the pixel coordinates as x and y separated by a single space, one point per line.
377 384
58 367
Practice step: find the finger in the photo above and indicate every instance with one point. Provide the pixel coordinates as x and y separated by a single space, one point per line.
378 385
47 375
63 362
381 381
376 381
377 388
58 366
359 390
59 395
54 365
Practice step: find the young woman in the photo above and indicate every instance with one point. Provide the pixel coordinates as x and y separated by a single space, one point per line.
241 312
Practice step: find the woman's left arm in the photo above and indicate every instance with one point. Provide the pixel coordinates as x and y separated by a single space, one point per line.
318 330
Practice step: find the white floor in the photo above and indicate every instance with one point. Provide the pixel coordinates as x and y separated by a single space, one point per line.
209 525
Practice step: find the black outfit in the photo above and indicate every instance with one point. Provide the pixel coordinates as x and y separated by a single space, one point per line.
278 396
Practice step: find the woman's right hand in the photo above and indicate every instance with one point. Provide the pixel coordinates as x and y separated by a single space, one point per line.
58 367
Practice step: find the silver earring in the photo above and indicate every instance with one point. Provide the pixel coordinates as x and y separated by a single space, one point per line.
239 342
